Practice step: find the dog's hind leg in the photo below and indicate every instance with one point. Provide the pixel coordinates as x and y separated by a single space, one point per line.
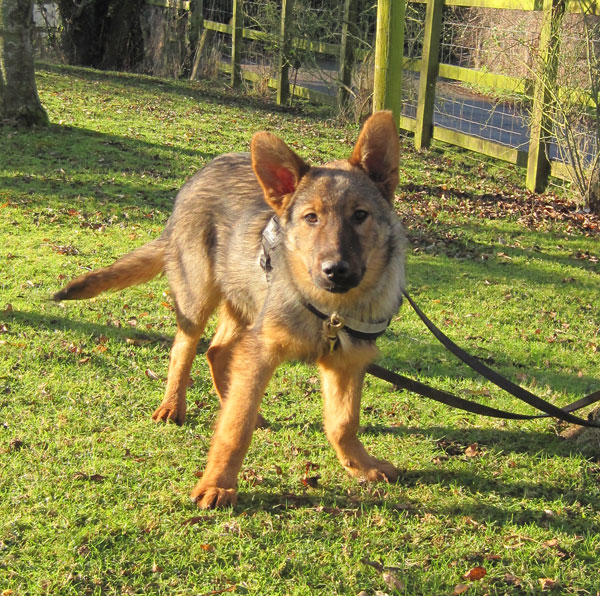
342 380
194 305
173 405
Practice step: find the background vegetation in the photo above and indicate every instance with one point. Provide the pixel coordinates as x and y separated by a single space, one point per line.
93 494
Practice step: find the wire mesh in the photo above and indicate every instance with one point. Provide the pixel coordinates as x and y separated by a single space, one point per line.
483 40
260 56
414 29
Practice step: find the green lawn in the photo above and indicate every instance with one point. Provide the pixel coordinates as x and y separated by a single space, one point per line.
94 495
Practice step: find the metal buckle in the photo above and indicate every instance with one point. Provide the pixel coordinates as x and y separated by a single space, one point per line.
331 329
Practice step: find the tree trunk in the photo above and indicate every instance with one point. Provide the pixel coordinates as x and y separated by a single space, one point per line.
593 198
102 33
20 100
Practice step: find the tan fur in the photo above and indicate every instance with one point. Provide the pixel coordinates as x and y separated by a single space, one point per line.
341 249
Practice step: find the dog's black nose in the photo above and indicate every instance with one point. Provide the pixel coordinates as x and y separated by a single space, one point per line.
336 270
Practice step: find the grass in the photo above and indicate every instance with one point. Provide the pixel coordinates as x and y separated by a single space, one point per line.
94 494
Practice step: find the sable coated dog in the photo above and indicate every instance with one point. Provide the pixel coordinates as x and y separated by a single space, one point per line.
336 258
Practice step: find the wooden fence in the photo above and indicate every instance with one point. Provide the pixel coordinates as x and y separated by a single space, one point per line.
389 64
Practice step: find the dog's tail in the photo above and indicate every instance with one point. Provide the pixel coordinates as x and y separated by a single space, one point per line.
134 268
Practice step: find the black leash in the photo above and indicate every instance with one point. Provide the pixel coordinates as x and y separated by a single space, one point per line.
549 409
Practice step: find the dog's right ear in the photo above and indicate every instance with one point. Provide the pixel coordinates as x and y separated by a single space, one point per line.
277 168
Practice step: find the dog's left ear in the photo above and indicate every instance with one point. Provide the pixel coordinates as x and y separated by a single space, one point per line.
277 168
377 152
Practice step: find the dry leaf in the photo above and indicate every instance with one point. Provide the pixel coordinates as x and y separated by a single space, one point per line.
197 519
311 481
472 450
460 589
475 574
89 477
151 375
392 581
547 583
512 580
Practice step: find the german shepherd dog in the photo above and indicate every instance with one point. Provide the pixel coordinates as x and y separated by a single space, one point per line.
334 274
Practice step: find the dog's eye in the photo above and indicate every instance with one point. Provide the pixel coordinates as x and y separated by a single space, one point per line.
311 218
360 215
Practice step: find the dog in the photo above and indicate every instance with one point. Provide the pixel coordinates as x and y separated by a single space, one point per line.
302 263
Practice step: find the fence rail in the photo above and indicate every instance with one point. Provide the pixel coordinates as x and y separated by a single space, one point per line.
418 105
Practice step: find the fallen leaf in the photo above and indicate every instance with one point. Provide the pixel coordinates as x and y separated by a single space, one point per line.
512 580
475 574
89 477
151 375
392 581
472 450
311 481
460 589
550 543
15 444
197 519
547 583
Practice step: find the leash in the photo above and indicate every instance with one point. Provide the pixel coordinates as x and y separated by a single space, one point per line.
550 410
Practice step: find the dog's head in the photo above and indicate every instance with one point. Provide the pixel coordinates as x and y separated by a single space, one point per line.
336 217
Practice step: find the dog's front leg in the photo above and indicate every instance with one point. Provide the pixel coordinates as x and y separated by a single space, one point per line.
342 380
251 367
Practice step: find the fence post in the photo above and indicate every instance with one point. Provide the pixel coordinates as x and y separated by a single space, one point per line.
389 46
538 166
285 43
430 62
236 43
347 52
196 25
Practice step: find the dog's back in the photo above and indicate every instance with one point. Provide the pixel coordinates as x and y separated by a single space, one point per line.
217 221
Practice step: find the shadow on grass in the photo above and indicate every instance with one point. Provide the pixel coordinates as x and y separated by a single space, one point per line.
445 365
217 91
78 168
521 498
53 322
560 382
443 239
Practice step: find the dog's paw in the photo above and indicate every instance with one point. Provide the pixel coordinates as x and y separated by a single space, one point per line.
211 497
376 470
169 413
381 471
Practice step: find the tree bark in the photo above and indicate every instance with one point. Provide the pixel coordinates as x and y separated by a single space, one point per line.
102 34
20 100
